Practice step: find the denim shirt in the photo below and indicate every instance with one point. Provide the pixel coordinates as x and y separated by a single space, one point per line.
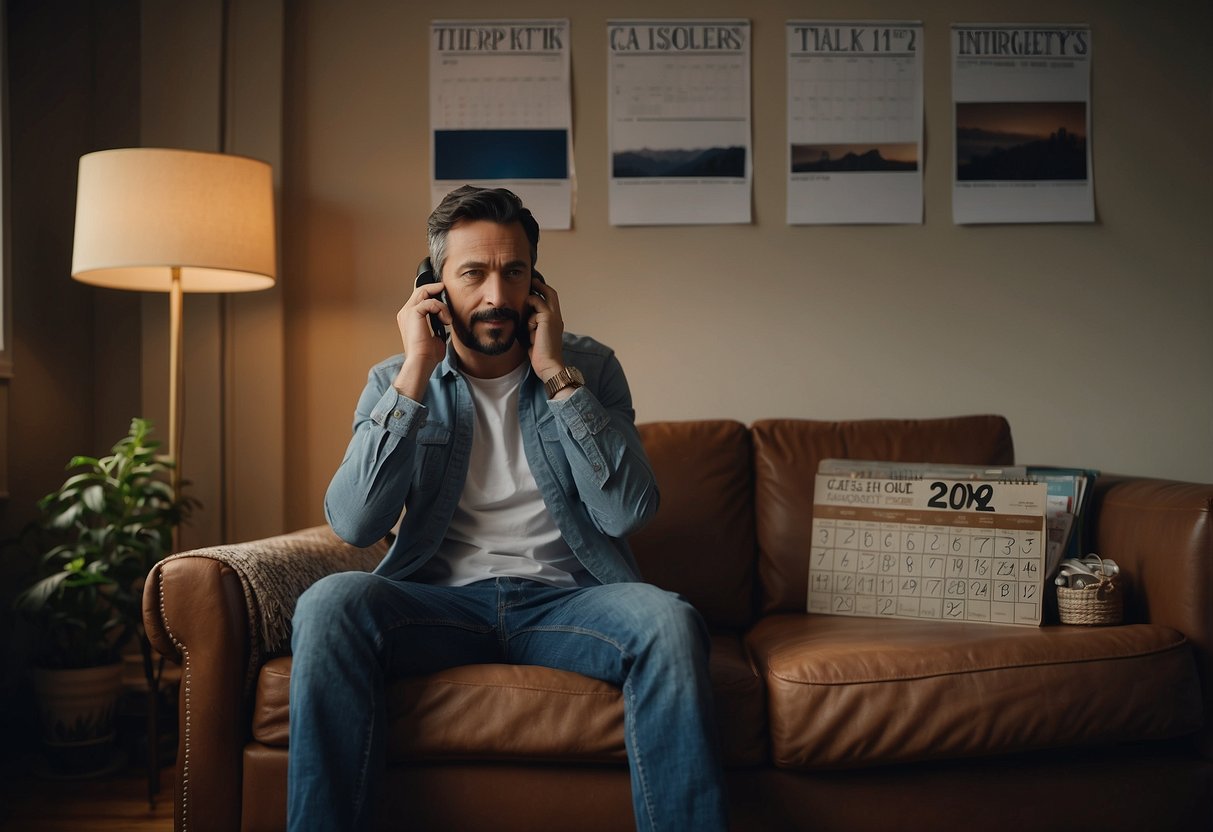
584 452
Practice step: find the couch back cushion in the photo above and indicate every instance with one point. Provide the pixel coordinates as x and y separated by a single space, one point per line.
701 542
786 453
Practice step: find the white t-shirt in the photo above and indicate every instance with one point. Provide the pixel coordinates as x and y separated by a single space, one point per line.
501 527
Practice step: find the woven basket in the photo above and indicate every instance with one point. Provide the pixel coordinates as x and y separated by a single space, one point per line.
1101 603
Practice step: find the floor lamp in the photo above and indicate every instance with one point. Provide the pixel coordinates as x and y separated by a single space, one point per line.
176 221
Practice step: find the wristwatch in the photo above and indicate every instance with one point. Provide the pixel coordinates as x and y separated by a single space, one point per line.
568 377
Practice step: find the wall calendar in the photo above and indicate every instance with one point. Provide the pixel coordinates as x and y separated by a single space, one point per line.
943 543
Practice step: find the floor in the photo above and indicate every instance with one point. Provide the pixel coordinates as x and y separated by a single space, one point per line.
113 803
31 801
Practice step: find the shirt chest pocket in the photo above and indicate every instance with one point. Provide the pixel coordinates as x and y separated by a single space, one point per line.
433 450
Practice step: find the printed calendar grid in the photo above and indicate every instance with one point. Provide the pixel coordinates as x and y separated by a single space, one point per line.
948 566
531 100
710 86
853 99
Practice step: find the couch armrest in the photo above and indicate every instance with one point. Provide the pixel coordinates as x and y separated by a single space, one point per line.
219 611
1160 532
194 611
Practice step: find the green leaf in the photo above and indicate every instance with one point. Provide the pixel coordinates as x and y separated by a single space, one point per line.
35 598
156 488
80 479
68 518
79 580
94 498
60 552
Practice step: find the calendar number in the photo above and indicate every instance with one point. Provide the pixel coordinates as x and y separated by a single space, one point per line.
962 495
882 39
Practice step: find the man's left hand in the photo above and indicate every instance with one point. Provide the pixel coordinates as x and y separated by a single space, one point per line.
546 330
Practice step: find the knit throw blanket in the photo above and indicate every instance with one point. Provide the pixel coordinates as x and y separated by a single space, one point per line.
275 571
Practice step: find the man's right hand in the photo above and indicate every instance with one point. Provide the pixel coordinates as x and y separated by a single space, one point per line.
423 350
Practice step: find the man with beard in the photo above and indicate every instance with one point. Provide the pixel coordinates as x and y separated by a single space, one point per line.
513 453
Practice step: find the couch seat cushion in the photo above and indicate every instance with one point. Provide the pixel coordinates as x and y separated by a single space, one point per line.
851 692
516 712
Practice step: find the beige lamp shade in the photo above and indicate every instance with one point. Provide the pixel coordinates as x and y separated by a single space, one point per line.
141 212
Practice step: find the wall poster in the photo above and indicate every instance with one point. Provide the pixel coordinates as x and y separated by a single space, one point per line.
679 121
500 113
1022 118
854 122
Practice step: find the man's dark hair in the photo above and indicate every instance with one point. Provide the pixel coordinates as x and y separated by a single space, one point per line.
472 203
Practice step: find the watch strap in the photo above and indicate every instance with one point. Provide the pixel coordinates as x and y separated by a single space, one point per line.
568 377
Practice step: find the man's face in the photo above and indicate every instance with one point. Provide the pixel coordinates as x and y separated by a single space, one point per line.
487 275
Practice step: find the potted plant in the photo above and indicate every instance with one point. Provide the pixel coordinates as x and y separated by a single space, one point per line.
109 522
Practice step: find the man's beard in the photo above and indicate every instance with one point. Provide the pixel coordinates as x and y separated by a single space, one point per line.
493 346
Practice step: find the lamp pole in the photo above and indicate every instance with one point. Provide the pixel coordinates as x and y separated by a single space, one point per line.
175 371
176 365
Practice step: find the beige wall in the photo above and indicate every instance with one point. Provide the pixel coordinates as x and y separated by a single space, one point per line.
1094 340
74 349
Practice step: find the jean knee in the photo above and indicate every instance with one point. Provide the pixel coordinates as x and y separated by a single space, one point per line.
329 604
671 623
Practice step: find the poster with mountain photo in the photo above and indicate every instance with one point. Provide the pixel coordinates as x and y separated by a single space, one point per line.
1021 123
854 122
679 122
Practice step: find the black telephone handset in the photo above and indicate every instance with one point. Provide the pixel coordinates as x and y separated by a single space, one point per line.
425 275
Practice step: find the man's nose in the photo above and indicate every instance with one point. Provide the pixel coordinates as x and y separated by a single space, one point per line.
494 289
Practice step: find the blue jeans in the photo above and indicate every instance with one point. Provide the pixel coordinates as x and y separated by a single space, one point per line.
355 631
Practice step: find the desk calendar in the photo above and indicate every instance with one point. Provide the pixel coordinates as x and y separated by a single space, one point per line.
924 546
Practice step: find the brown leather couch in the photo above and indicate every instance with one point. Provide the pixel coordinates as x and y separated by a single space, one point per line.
827 722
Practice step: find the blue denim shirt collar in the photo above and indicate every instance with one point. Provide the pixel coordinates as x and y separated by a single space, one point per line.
449 366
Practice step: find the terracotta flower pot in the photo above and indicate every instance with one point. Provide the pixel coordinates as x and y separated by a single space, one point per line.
78 709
